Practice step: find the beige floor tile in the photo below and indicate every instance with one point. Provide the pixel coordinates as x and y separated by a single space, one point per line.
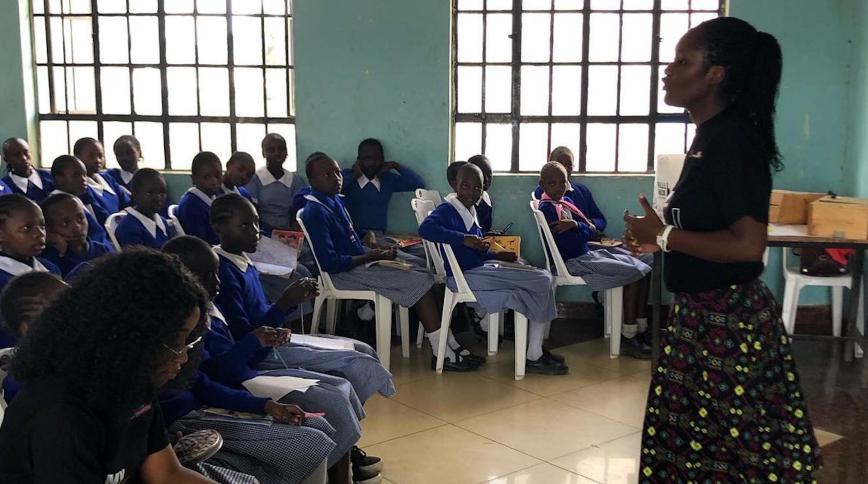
417 366
596 353
825 438
622 399
542 474
615 462
458 396
545 428
388 419
447 454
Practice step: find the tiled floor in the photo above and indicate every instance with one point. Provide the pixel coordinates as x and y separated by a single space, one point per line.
485 427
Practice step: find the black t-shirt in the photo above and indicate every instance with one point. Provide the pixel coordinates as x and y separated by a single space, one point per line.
724 179
50 436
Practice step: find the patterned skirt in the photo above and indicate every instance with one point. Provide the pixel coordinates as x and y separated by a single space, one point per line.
725 404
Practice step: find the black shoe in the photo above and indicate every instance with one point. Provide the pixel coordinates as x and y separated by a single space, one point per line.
554 356
365 462
469 356
361 476
463 364
546 365
634 348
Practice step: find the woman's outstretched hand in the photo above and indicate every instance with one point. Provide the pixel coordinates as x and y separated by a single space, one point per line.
640 232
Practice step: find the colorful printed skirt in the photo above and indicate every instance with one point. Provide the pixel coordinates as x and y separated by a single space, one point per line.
725 404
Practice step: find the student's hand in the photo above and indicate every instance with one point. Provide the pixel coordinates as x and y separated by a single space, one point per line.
370 240
284 413
476 243
382 254
57 241
299 291
268 336
357 170
640 233
506 256
285 335
562 226
389 165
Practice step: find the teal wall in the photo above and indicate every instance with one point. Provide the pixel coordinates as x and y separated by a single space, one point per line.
16 81
857 155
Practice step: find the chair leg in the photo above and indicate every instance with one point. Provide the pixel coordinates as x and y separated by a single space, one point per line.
383 309
445 321
860 321
404 330
789 305
837 309
616 308
317 310
520 344
607 313
494 323
331 315
548 330
420 335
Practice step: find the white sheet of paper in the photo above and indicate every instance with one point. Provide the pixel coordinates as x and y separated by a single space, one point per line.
324 343
274 257
276 387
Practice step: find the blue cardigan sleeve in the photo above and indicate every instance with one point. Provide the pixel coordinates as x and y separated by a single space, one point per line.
195 219
407 181
350 184
214 394
435 228
594 213
228 361
317 223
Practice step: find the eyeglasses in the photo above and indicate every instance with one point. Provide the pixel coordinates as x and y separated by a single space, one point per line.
184 349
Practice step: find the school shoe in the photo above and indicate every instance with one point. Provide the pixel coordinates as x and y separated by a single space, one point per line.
361 476
363 461
554 356
463 364
470 356
546 365
634 348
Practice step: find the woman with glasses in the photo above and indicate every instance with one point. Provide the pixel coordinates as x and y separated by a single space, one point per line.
91 371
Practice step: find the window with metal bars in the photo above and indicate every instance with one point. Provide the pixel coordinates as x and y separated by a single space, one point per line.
530 75
181 75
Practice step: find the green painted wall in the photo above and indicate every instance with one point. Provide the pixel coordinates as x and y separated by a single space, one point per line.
857 173
16 81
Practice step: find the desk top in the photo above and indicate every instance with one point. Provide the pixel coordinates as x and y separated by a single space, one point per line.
797 236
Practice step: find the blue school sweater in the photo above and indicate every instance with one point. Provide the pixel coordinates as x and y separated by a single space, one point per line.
241 297
32 192
230 361
70 260
121 177
573 242
4 188
106 193
581 196
94 205
194 214
137 229
95 229
223 190
484 212
368 203
11 387
299 200
332 236
206 392
448 224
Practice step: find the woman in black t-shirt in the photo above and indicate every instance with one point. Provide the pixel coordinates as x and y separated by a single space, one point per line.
90 368
725 403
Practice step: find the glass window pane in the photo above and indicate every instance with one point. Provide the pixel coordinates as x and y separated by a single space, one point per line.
249 139
639 5
81 129
147 98
290 92
569 135
182 90
534 90
498 89
39 40
535 37
569 4
247 35
112 130
78 6
274 7
115 85
498 41
288 133
247 7
469 4
567 90
672 27
275 42
469 31
81 88
43 90
211 6
143 6
53 141
59 76
499 4
79 42
668 139
536 5
705 4
248 92
636 43
217 138
56 26
635 90
469 95
275 89
603 37
601 147
289 40
54 6
112 6
179 6
468 140
214 91
533 146
674 4
145 40
698 18
183 144
633 147
498 145
603 83
38 7
180 34
211 39
662 107
113 47
606 4
691 132
150 135
568 37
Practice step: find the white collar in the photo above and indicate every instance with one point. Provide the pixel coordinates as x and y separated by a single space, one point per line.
242 262
21 181
201 195
468 216
125 175
226 189
484 198
267 178
215 314
99 184
16 268
363 180
151 224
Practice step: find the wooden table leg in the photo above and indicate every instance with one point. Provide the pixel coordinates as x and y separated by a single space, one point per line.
856 263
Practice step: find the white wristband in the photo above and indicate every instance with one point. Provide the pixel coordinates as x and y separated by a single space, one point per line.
663 238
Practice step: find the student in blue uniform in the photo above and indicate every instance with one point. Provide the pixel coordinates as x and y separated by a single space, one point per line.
105 190
601 269
70 178
484 207
524 289
452 173
272 188
206 173
4 188
371 183
239 171
66 227
143 225
21 177
128 152
340 252
577 192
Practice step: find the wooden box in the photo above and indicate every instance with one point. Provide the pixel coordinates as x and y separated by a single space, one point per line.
789 207
509 243
840 218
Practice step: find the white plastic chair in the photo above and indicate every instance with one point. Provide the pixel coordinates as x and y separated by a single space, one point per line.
533 195
111 226
612 298
432 195
173 215
382 309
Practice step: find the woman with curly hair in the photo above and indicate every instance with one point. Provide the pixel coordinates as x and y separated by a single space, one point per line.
91 371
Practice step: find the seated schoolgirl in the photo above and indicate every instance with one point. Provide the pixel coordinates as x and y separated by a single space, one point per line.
239 171
601 269
143 225
577 192
340 252
452 173
21 177
237 363
66 233
525 290
484 207
206 173
272 187
128 152
105 190
69 179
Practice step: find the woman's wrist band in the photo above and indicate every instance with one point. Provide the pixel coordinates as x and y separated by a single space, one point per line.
663 238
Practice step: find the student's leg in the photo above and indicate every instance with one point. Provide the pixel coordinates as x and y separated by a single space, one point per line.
429 313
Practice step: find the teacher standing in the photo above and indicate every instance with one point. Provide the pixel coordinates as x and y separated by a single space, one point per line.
725 403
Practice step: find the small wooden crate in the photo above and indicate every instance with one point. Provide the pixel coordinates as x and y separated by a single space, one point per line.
839 217
511 243
788 207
